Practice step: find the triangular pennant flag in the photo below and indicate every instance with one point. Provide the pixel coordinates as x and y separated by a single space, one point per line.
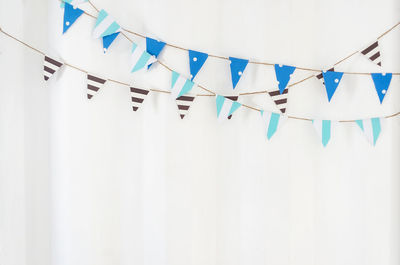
154 47
137 96
237 69
320 76
283 73
196 61
105 25
225 107
371 128
233 98
107 40
372 52
73 2
50 66
184 103
180 85
332 80
280 99
323 128
273 122
94 84
71 14
140 58
382 82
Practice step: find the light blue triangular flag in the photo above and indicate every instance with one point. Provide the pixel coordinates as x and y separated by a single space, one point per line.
196 61
71 14
154 47
323 128
105 25
371 128
332 80
273 122
140 58
283 73
225 107
382 82
237 69
180 85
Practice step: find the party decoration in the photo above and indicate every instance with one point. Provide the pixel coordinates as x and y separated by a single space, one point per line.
320 76
371 128
137 96
180 85
332 80
154 47
50 66
71 14
323 128
94 84
140 58
107 28
225 107
283 73
273 121
237 69
233 98
372 52
382 82
280 98
196 61
184 103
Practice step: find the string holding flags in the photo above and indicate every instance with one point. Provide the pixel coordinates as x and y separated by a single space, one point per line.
106 28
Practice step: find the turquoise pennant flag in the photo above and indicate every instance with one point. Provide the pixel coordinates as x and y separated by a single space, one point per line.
382 83
332 80
180 85
273 121
106 28
371 129
237 69
196 61
283 73
225 107
323 128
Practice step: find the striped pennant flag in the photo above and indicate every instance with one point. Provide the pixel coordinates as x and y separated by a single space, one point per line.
283 73
94 83
50 66
137 96
382 83
107 28
273 122
225 107
371 129
71 14
140 58
323 128
234 98
320 76
280 99
184 103
180 85
372 52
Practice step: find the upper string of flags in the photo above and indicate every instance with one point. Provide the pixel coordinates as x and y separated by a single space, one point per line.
182 89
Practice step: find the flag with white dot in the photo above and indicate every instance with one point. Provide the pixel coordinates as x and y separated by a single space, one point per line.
382 82
331 80
71 14
196 61
237 68
106 28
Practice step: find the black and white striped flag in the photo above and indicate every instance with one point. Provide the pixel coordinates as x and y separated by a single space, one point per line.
184 103
233 98
320 76
50 66
94 83
280 99
372 52
137 96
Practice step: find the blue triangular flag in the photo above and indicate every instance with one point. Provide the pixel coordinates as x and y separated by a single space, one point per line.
71 14
332 80
107 40
283 73
196 61
237 69
154 47
382 82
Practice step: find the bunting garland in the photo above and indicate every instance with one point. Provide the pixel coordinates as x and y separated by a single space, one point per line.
137 96
50 66
372 52
371 129
382 82
94 84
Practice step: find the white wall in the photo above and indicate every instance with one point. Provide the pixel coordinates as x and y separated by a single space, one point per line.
93 183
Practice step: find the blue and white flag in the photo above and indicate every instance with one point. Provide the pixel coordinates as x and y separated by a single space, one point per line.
140 58
323 128
273 122
74 3
283 73
371 128
154 47
180 85
107 28
382 83
225 107
237 68
71 14
331 80
196 61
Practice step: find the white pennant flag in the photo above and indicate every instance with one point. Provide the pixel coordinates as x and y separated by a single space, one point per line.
180 85
94 84
324 130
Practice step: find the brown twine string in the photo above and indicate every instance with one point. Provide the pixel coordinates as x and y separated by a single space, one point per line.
156 90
